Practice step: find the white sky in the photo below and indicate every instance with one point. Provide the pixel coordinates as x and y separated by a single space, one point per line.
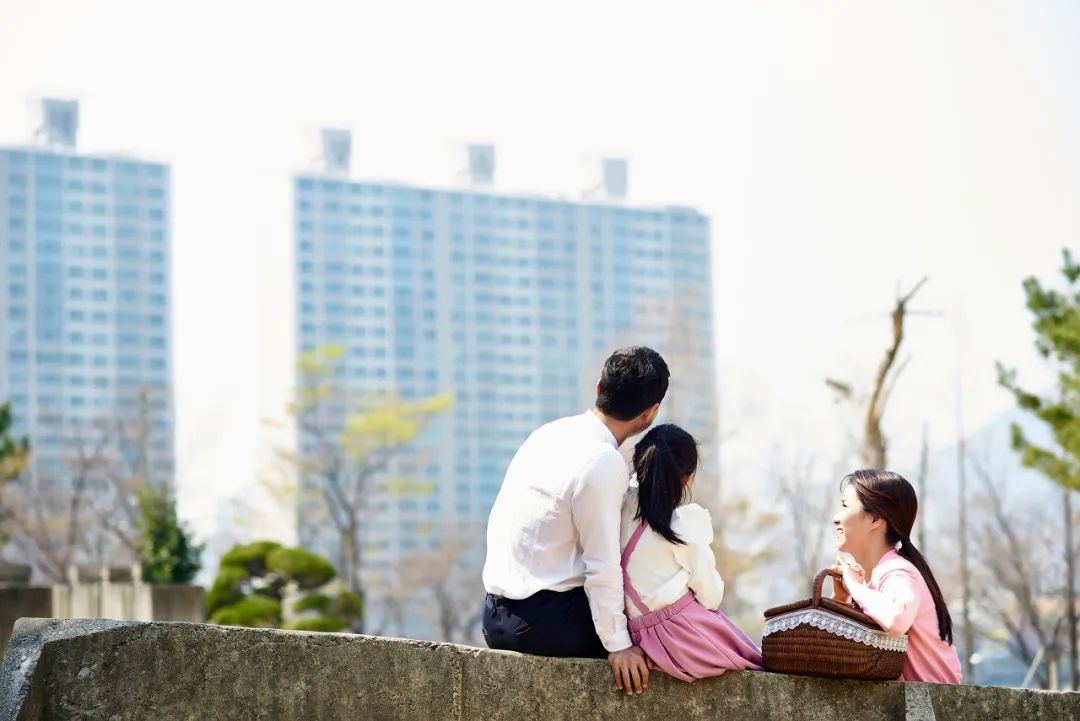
839 147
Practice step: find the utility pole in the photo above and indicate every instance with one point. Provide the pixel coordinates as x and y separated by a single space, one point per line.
924 462
962 507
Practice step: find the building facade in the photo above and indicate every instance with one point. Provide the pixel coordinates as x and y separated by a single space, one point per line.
511 302
86 342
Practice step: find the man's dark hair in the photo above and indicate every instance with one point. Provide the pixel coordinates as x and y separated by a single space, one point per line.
634 380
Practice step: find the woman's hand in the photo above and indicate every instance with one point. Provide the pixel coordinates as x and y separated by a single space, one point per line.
839 593
853 575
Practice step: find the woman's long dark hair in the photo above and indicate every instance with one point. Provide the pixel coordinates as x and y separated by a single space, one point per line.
663 459
889 496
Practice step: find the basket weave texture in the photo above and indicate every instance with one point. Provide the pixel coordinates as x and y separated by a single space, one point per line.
822 637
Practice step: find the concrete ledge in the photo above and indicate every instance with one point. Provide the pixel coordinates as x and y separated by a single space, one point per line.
77 669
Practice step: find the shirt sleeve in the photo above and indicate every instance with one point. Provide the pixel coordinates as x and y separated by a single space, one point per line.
596 507
693 524
894 604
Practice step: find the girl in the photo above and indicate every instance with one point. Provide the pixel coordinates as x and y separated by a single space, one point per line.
669 573
877 511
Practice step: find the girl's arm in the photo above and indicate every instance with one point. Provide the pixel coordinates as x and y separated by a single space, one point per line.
894 605
693 524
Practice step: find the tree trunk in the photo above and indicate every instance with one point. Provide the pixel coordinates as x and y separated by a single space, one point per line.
1070 591
1053 670
351 570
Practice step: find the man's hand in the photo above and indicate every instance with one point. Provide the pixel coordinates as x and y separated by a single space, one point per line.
630 669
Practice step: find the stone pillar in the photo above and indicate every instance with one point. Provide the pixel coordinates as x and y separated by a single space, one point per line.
142 601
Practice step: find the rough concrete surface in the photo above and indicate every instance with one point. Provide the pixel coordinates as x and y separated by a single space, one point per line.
88 670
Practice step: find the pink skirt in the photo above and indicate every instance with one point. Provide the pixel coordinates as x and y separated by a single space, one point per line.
689 641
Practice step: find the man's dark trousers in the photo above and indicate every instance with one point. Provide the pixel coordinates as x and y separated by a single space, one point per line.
547 623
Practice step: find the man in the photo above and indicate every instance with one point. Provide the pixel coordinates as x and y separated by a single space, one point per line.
553 575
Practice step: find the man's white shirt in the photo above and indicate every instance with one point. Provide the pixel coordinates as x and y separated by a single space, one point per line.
555 523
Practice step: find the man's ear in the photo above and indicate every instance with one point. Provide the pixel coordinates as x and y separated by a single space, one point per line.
597 387
649 416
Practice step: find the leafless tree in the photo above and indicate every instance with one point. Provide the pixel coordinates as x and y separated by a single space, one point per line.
448 576
1016 582
920 483
57 521
874 448
808 502
89 512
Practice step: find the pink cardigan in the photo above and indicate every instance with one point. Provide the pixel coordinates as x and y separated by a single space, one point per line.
897 597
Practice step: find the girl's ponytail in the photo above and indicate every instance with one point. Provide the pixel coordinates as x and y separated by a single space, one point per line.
663 459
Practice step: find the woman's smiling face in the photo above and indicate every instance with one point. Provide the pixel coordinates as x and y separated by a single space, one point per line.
853 524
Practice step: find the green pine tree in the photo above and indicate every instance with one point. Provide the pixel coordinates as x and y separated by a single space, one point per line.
1057 338
167 552
1057 329
14 454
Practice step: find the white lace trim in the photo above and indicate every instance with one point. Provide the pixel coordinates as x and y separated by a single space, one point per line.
837 625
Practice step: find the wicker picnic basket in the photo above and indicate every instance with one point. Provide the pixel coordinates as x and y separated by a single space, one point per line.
823 637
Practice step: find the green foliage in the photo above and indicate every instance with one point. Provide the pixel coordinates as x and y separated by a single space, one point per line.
1057 329
352 460
166 550
14 452
313 602
328 624
14 455
348 604
308 569
228 588
251 583
255 611
251 557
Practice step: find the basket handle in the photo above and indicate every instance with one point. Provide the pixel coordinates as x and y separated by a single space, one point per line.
819 582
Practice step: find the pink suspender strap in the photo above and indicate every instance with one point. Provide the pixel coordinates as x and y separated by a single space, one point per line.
627 586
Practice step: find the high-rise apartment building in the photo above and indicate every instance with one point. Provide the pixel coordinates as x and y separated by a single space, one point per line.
84 287
510 301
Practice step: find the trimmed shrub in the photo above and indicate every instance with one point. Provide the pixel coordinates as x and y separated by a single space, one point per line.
227 588
252 612
315 602
326 624
308 569
251 557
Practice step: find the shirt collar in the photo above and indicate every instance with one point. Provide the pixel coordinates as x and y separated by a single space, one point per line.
879 569
602 432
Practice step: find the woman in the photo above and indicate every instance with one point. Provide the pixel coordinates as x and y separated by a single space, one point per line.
877 511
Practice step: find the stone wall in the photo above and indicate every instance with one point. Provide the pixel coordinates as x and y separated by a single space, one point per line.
60 670
178 602
130 600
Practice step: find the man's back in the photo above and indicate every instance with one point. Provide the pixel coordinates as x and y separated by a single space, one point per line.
552 574
533 542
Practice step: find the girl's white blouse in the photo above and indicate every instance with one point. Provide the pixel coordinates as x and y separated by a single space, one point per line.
662 571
